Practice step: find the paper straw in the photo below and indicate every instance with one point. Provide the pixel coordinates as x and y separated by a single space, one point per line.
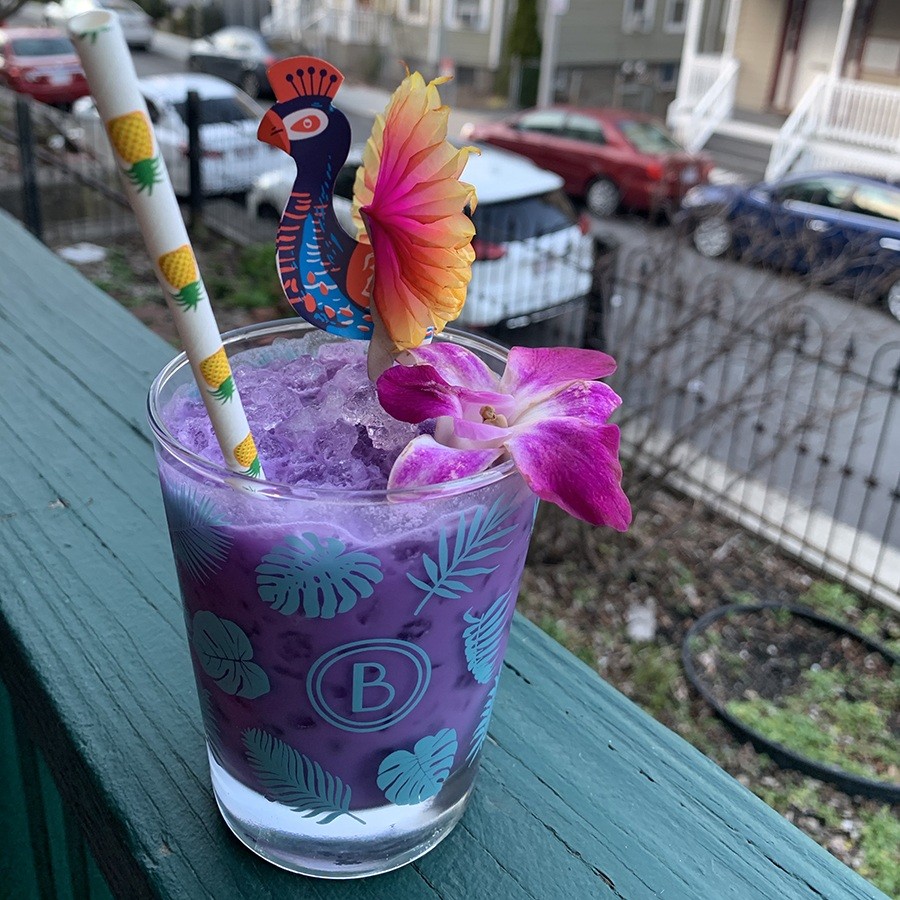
113 81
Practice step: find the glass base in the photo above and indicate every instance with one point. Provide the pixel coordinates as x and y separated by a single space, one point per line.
370 842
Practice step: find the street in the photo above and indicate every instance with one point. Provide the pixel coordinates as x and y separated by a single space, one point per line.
836 457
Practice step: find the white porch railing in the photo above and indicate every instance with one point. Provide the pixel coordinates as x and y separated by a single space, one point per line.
358 26
797 130
708 100
864 114
848 125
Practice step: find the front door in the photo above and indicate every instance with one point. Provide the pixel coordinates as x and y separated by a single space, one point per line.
810 33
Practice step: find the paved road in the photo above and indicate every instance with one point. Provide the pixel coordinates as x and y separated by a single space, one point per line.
843 458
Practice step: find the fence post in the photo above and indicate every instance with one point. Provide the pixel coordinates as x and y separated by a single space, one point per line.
195 155
31 201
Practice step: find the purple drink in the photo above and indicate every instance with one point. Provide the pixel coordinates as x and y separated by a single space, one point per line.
347 644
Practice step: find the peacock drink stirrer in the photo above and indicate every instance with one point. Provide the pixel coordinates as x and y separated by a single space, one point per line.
111 76
405 275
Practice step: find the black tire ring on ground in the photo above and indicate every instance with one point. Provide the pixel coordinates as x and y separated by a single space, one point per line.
884 791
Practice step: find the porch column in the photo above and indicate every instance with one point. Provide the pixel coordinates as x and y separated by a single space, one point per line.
731 27
843 37
688 51
495 42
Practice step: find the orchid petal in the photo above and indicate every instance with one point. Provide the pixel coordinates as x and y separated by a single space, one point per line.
574 465
416 393
590 401
424 461
532 373
458 365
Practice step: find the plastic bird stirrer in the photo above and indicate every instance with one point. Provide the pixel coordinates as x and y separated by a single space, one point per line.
110 73
405 275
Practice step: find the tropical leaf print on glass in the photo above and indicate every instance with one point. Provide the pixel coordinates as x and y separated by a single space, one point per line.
225 653
481 730
292 779
407 778
318 573
471 543
199 542
211 726
483 639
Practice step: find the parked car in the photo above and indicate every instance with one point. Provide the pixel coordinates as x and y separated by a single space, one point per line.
137 26
608 157
232 156
844 230
239 55
533 256
42 63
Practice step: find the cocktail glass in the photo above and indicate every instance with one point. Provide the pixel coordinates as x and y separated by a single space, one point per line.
347 645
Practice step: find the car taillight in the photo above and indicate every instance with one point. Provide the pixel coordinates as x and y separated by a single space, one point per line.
14 72
206 154
654 170
584 223
486 250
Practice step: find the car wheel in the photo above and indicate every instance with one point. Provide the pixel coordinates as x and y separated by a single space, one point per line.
712 236
602 197
892 299
250 84
268 213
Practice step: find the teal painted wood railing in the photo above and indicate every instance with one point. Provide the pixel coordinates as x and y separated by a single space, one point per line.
43 855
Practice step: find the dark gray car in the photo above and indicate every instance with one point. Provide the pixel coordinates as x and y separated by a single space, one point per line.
239 55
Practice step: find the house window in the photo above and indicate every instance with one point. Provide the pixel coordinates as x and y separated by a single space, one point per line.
638 16
413 11
469 15
675 17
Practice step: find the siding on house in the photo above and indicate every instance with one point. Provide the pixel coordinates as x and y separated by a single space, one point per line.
591 34
756 48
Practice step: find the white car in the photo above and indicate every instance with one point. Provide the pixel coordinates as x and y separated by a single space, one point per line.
137 26
232 157
533 256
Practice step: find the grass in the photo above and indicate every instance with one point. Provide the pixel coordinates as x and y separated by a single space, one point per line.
247 280
880 840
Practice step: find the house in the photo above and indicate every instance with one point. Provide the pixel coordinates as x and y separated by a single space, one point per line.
792 85
622 52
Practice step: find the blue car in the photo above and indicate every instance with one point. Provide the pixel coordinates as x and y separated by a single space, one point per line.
838 230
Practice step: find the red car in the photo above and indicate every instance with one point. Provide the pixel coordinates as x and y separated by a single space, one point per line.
608 157
42 63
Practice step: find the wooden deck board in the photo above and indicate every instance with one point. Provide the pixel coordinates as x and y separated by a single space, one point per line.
581 793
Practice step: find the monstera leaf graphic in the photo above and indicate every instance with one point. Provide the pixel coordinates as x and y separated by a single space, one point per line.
198 541
290 778
481 730
483 638
317 573
408 778
225 653
211 726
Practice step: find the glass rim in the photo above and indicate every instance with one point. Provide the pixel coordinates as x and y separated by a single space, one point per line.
280 490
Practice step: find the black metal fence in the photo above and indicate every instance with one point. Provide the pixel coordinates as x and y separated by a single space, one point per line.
771 411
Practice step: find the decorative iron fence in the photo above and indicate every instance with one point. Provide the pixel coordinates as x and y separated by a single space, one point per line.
765 412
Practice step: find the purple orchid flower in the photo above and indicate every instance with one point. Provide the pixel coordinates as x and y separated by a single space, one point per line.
547 412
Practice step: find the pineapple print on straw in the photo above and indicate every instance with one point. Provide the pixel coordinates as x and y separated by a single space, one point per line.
179 268
133 141
109 68
216 372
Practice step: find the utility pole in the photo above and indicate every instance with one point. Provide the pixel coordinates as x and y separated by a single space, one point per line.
553 10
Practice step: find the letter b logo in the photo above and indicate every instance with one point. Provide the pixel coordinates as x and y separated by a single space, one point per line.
368 685
363 685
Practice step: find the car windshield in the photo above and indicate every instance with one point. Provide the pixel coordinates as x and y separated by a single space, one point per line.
526 217
43 46
647 137
220 110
